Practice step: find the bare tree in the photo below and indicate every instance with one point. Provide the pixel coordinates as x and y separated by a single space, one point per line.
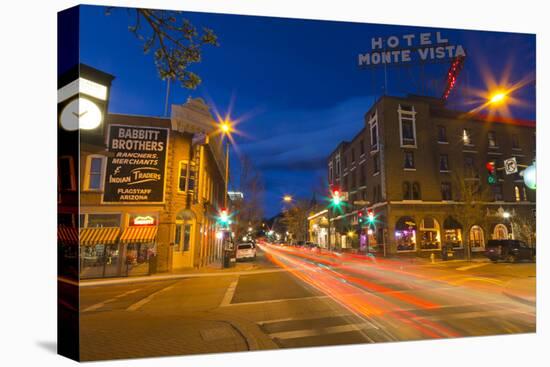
249 211
525 229
470 209
175 42
295 219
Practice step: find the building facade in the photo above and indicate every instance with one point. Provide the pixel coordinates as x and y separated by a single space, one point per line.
150 191
422 171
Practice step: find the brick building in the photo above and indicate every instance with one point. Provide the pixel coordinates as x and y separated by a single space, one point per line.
121 231
415 163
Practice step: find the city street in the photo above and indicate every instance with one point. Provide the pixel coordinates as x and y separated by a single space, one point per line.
292 297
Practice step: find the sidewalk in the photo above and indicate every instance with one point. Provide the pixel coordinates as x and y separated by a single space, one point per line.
210 270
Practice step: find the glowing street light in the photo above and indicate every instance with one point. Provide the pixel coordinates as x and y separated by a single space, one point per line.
497 98
287 198
506 215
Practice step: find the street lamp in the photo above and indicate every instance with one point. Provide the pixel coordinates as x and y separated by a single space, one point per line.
287 198
497 97
225 128
506 215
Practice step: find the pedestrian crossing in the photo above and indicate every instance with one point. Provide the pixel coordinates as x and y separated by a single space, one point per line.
294 332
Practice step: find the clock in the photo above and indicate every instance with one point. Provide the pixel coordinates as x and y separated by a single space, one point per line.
80 112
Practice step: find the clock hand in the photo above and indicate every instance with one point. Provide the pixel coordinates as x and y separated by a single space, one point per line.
80 115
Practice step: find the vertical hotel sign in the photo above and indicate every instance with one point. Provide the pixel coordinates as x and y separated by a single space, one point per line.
136 165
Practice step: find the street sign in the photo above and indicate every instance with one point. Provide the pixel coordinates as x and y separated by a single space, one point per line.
510 166
360 203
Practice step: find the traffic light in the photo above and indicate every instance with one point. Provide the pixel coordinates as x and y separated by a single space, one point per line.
370 216
224 216
360 217
336 199
492 173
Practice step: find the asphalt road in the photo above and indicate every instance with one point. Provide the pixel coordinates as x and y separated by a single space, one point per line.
298 298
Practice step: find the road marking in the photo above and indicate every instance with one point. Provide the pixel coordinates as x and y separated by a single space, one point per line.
136 306
468 267
300 318
101 304
479 279
321 331
229 293
274 301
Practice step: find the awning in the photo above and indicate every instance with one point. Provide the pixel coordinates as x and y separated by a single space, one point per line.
139 234
98 236
67 235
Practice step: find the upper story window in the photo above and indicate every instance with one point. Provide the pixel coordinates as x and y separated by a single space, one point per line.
497 192
416 191
443 163
517 193
337 168
330 177
407 126
442 134
361 148
515 141
67 180
375 164
469 166
373 124
492 139
352 155
345 162
446 191
406 191
94 172
467 136
409 160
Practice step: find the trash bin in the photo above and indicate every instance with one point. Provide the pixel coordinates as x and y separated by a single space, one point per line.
228 258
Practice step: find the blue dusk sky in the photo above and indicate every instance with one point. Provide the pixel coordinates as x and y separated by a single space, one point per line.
296 84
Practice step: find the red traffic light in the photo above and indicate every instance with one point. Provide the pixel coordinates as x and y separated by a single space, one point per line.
490 167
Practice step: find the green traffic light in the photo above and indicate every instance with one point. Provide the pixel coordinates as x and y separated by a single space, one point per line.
492 180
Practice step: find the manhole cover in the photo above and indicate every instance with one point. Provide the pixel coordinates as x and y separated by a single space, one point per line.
217 333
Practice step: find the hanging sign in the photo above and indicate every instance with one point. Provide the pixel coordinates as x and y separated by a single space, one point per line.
510 166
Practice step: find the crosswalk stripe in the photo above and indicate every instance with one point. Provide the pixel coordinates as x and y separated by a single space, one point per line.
321 331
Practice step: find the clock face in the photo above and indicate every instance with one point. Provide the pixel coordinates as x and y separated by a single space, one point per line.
80 112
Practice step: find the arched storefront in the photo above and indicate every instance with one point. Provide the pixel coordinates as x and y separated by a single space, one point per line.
184 239
500 232
405 234
452 233
476 238
430 234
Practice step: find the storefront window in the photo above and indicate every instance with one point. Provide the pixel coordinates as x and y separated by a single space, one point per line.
429 235
453 237
476 238
405 234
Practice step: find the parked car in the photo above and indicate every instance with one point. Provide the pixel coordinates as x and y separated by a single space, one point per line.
509 250
246 251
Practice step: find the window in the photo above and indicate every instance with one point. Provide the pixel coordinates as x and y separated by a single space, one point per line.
184 167
66 173
95 172
406 191
444 163
467 136
376 164
409 160
337 173
363 176
525 198
416 191
517 194
497 192
330 178
446 191
469 166
407 126
352 155
441 134
345 162
492 139
103 220
184 227
476 238
361 147
373 123
515 141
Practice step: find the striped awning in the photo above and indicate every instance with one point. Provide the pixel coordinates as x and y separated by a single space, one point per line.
98 236
67 235
139 234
